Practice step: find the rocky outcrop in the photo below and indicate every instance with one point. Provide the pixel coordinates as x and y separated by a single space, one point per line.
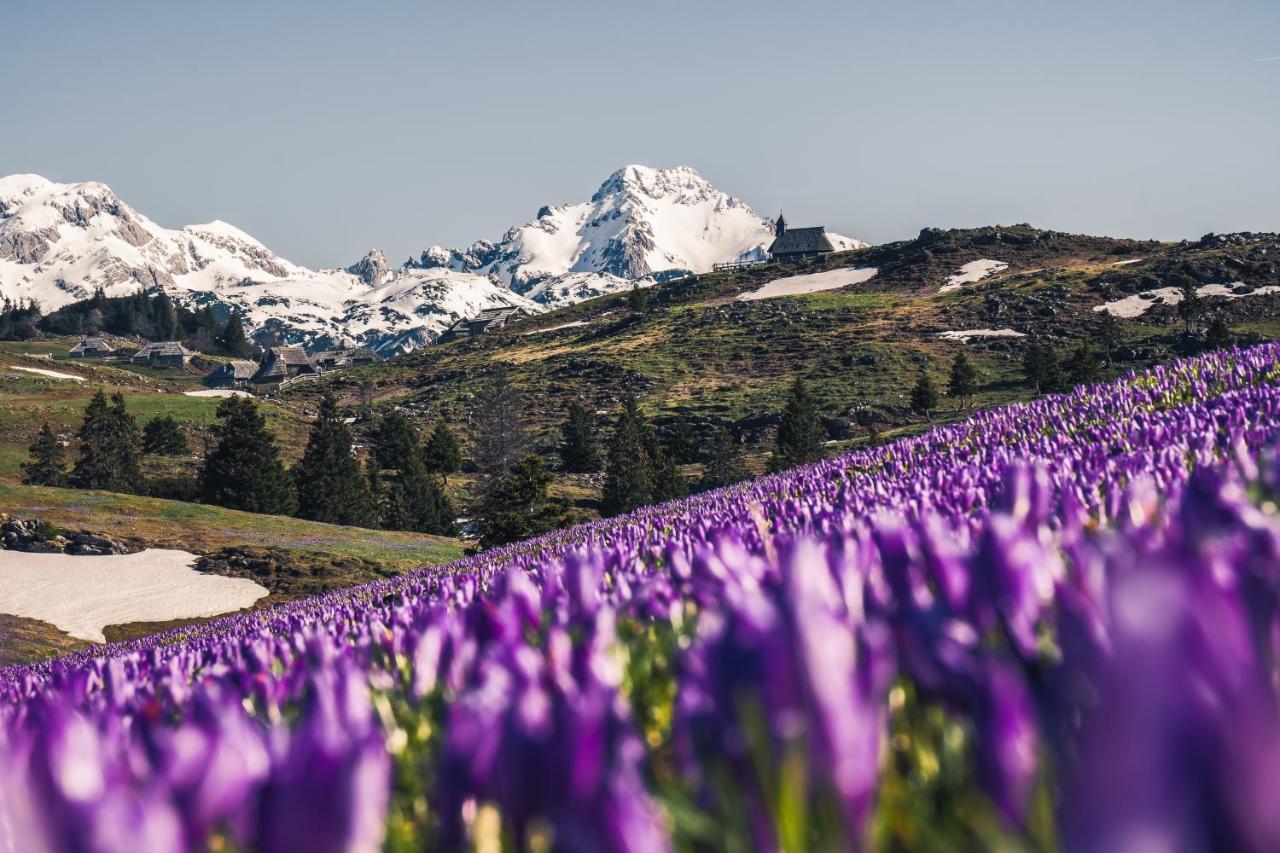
36 537
372 269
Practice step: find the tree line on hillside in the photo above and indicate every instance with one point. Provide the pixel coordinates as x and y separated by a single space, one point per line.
400 487
152 316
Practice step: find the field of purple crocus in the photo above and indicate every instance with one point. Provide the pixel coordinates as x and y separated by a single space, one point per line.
1051 626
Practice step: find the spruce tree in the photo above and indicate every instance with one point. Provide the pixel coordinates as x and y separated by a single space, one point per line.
1042 369
330 485
1191 307
243 470
408 496
668 482
1109 336
1083 367
924 397
442 453
500 439
234 341
47 466
579 450
163 435
1218 335
963 381
800 432
724 466
165 323
517 507
108 453
628 481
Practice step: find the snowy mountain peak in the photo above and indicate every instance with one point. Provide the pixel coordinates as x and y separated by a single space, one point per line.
642 222
373 269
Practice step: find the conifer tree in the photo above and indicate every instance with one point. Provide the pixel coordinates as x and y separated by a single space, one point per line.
47 466
442 453
1109 336
499 437
1042 369
408 496
724 466
963 381
668 482
234 341
628 482
517 507
163 435
330 485
1218 335
108 453
243 470
800 432
165 320
1082 367
924 397
579 450
1191 307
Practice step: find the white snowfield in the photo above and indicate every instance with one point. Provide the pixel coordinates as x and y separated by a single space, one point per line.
812 283
83 595
964 336
60 241
1136 304
972 272
52 374
217 392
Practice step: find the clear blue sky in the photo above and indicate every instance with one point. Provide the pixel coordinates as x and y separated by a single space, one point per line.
325 129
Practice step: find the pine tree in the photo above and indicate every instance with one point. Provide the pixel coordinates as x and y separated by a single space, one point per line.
682 443
517 507
499 436
628 481
47 466
1191 307
442 453
724 465
800 432
234 341
668 482
166 318
408 496
330 486
924 397
963 381
1042 369
1218 335
243 471
1109 335
108 454
1083 367
579 450
163 435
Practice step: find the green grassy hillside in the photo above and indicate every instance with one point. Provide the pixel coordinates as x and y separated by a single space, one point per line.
695 352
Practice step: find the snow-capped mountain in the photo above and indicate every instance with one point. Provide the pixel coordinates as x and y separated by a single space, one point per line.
60 242
641 224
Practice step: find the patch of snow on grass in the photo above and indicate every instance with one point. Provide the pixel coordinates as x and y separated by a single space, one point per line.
83 595
964 336
972 272
1136 304
52 374
217 392
572 325
814 282
1128 263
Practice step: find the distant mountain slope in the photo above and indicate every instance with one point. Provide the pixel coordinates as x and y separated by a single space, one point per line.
640 224
61 241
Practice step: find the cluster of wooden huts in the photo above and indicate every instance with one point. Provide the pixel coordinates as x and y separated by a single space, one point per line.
279 364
